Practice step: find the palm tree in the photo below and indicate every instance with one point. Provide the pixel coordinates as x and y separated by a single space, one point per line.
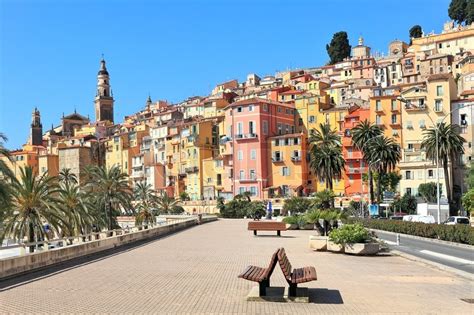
144 216
384 154
110 191
5 172
76 208
450 147
362 134
67 177
327 161
33 204
165 203
144 196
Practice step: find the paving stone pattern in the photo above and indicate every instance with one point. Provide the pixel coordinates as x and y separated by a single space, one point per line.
195 271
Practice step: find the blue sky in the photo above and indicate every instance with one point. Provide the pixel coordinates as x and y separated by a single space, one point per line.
50 50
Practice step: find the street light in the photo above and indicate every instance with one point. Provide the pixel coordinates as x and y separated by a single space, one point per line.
436 126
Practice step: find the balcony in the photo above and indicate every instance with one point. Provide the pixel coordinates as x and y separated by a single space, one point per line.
353 155
192 169
395 110
412 107
139 174
251 135
248 180
296 158
239 136
395 125
277 159
379 110
355 170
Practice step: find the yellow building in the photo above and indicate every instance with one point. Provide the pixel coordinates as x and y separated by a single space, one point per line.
385 112
27 156
117 152
288 167
48 163
424 106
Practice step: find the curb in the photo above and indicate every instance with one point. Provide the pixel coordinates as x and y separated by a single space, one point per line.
463 274
432 240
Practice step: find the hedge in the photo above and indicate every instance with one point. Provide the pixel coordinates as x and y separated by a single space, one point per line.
453 233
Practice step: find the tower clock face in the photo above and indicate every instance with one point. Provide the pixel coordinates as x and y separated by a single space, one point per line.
395 51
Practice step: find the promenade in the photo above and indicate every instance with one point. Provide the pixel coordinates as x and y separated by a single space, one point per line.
195 271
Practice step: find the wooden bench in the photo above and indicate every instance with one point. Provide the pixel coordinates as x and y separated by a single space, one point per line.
261 275
266 226
298 275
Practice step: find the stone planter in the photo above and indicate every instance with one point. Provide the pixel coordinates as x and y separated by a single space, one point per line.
318 242
292 226
333 247
362 248
307 226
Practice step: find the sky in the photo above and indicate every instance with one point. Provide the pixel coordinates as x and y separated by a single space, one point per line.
50 50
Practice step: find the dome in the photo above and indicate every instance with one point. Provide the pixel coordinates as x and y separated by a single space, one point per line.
103 72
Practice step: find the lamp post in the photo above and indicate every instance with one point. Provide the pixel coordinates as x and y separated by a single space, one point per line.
436 128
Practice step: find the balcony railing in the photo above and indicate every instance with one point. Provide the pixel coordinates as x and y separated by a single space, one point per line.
296 158
277 159
192 169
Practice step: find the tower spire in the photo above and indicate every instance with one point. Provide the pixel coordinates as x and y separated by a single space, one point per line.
104 101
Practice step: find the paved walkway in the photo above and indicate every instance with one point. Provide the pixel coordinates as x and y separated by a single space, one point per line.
195 271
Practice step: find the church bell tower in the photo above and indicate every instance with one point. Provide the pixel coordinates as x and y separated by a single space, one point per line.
36 128
104 101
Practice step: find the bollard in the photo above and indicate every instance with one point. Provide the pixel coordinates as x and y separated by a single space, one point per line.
22 250
398 239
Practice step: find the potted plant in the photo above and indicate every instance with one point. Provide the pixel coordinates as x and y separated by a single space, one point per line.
353 239
291 222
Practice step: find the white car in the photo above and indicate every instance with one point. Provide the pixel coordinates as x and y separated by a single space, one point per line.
419 218
456 220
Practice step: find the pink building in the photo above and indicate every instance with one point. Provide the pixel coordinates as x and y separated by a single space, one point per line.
251 122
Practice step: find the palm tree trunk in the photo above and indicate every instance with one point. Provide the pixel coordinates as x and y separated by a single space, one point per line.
379 182
31 236
448 183
371 186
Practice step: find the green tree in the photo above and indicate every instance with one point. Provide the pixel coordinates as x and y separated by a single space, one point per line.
450 146
406 204
470 12
256 209
144 196
323 200
5 175
468 200
33 204
165 203
327 161
416 31
428 191
184 196
362 134
470 176
385 155
110 191
339 48
77 216
458 10
67 177
296 205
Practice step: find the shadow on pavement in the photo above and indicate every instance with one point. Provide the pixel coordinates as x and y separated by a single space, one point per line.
325 296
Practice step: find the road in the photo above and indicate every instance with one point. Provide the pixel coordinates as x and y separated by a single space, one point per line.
460 258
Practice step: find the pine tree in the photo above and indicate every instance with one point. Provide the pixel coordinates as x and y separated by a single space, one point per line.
339 47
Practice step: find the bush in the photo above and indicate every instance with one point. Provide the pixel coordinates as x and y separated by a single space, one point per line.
296 205
300 220
452 233
349 233
256 209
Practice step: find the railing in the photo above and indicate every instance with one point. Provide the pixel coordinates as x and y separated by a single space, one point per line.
21 248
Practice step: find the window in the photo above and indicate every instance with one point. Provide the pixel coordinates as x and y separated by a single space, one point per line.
240 128
430 173
265 107
422 123
409 124
241 190
280 128
408 191
394 119
408 175
439 90
251 127
378 120
240 155
253 154
378 105
242 174
253 191
219 179
252 174
311 119
251 108
279 109
239 109
265 127
438 105
277 156
285 171
394 105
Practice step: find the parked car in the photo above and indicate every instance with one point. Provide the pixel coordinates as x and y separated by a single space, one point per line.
456 220
419 218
